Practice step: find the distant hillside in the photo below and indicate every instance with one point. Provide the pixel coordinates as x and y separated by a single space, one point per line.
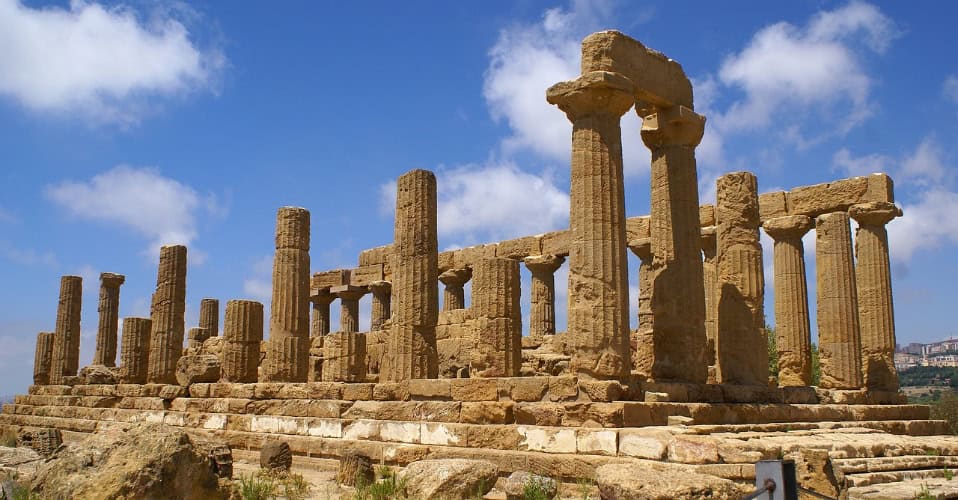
929 375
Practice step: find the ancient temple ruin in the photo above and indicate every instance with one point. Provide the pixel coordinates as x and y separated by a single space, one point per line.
690 384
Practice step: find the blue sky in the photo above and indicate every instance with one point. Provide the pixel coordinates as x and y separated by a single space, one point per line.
126 126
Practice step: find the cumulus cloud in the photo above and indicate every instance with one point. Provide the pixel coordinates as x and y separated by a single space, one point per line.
140 199
101 62
862 165
928 223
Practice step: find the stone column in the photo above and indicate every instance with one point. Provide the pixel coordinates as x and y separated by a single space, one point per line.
875 309
498 318
287 351
710 279
741 346
454 295
643 355
65 359
195 337
380 307
839 336
349 306
598 268
542 314
242 337
678 283
42 358
320 299
411 346
135 350
344 357
109 309
210 316
793 337
169 305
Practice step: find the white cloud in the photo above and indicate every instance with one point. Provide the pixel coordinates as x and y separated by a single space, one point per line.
927 223
950 88
140 199
259 286
925 167
787 70
99 61
27 256
862 165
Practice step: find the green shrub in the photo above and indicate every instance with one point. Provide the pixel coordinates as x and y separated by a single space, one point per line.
534 490
387 487
947 409
257 487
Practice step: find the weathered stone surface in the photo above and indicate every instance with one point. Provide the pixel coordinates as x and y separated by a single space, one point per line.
411 346
349 297
453 295
195 338
710 277
108 309
210 316
43 441
98 375
875 308
678 290
449 478
242 337
658 481
514 486
598 269
66 340
495 306
319 322
815 471
542 314
344 357
166 313
134 353
839 336
276 456
197 368
381 305
355 470
42 358
145 461
287 350
740 344
643 353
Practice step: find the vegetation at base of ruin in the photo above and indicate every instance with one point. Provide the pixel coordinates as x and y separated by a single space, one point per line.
480 489
585 487
8 438
946 409
773 357
949 475
925 494
388 486
18 491
535 490
266 485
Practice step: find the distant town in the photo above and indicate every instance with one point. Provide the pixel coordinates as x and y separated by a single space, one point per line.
943 353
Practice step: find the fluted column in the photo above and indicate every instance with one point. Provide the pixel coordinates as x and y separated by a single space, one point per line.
839 336
195 337
135 350
109 309
380 310
344 357
598 268
349 306
741 347
454 295
287 351
643 356
242 336
542 314
875 307
792 329
210 316
66 339
495 306
320 299
42 358
678 286
710 278
169 305
411 345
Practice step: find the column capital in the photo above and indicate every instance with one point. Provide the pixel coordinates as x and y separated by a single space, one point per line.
348 292
380 286
321 296
456 277
876 213
708 240
789 227
543 264
642 248
596 92
675 126
112 279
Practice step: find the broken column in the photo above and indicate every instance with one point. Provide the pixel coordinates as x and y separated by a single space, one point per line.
598 269
135 350
710 278
678 290
643 355
495 307
42 358
287 351
65 358
320 299
411 345
195 337
169 305
792 330
839 336
875 308
109 309
741 347
349 306
380 310
242 336
542 314
454 295
210 316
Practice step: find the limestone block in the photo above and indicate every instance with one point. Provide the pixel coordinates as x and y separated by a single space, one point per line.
487 412
880 189
276 456
401 432
448 478
377 255
197 368
556 243
344 357
362 430
443 434
365 275
548 440
474 390
772 205
447 260
593 442
650 444
519 248
707 215
637 228
693 450
98 374
467 257
429 389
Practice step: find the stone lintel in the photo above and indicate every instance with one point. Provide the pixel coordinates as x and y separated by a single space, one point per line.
327 279
348 292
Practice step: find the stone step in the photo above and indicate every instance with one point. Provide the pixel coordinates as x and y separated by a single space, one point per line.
899 463
934 487
871 478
